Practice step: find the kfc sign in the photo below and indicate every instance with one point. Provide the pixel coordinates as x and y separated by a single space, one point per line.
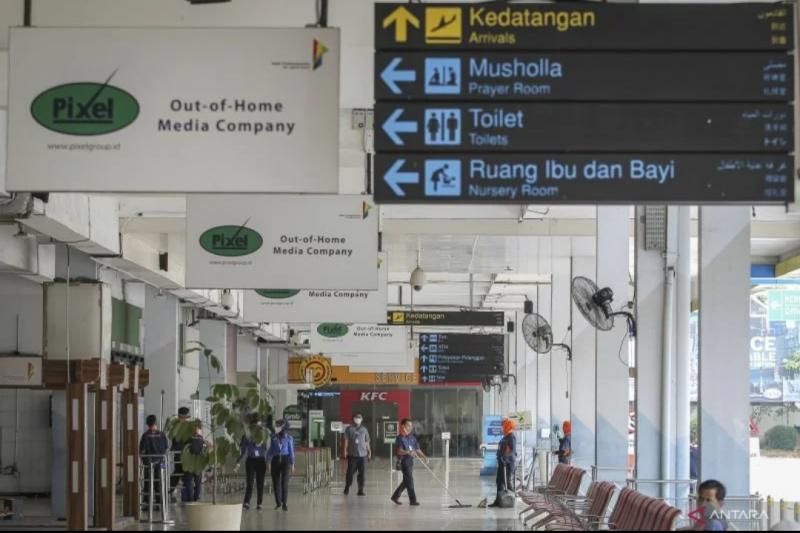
374 396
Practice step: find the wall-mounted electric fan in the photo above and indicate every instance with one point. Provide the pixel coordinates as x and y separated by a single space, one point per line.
539 335
595 305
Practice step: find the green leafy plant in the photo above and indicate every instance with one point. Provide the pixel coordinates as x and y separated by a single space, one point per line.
235 413
793 365
781 438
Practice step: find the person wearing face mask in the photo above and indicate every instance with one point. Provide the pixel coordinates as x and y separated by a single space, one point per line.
280 460
256 465
357 451
407 449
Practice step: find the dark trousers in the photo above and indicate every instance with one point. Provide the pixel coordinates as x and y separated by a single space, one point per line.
280 478
177 473
355 464
407 467
256 468
192 483
505 472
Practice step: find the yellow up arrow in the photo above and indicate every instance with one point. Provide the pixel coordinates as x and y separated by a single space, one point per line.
401 18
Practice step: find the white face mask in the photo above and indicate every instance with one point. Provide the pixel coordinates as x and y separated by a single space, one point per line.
279 428
357 421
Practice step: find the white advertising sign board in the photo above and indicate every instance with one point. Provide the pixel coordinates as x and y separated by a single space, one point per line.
174 110
313 306
358 339
21 371
240 241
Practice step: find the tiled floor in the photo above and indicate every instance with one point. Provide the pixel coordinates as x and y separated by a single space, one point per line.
329 509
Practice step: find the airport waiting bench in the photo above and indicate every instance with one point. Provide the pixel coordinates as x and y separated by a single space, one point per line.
558 507
565 482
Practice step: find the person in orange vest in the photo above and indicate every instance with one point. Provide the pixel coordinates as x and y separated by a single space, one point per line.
565 444
506 459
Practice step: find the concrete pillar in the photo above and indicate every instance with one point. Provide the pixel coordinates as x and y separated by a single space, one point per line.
683 348
543 307
724 365
560 369
162 321
583 376
214 334
612 391
527 378
662 272
650 318
278 363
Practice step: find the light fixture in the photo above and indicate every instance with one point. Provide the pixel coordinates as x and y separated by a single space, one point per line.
418 275
227 300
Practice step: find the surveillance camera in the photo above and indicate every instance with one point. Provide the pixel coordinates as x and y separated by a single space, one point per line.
418 279
227 300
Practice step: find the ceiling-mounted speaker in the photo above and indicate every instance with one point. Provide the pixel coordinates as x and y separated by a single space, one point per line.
528 307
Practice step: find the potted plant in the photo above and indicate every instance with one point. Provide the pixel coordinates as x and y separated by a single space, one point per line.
230 409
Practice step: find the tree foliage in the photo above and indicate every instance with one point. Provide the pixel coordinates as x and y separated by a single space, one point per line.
235 413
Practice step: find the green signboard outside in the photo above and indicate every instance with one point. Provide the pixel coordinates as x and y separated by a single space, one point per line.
783 306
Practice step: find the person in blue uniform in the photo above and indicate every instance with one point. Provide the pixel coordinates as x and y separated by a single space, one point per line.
255 467
280 459
153 448
407 448
193 482
177 447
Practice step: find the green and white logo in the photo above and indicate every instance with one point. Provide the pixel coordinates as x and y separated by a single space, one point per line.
277 294
85 108
231 241
332 330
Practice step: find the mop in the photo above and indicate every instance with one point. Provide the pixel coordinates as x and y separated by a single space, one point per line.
458 504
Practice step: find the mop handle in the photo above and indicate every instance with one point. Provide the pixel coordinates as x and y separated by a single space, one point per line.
437 479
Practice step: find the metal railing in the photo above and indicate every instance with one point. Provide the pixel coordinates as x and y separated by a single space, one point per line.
598 471
154 468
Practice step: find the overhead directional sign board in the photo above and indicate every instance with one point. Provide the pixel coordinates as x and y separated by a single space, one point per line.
173 110
588 127
567 178
600 103
500 26
460 358
445 318
678 76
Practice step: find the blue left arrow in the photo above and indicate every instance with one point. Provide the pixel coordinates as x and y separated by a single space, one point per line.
394 177
393 126
391 76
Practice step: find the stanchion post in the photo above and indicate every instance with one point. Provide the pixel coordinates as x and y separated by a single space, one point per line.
150 494
446 444
769 512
